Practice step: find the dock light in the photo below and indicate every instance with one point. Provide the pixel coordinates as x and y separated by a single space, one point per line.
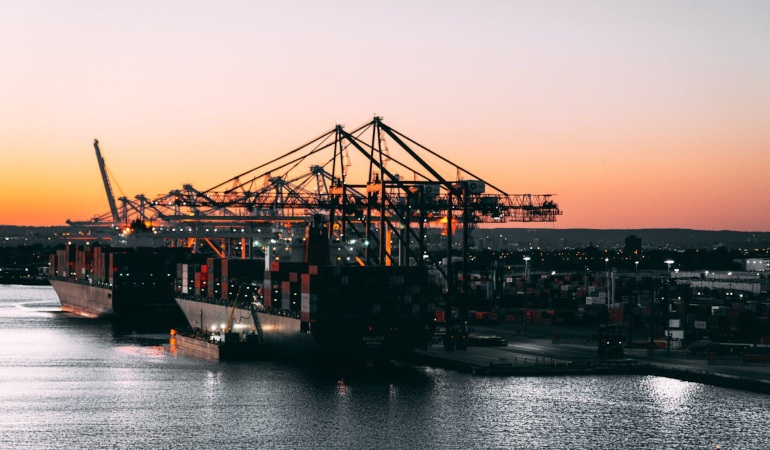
526 266
223 326
213 328
173 332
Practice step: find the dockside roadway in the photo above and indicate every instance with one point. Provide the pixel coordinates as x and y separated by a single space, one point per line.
572 352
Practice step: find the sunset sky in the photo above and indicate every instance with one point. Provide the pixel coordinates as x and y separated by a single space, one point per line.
636 114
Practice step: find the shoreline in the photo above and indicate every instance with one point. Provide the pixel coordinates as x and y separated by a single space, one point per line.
541 358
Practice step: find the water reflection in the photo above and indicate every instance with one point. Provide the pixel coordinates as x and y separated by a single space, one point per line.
72 383
342 389
148 351
670 394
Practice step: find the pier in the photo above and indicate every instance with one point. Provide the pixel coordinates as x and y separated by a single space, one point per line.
524 356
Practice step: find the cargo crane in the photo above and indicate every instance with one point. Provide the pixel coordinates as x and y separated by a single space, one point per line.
106 181
111 219
378 211
384 212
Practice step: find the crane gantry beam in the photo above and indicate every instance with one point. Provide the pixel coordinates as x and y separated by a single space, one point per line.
400 187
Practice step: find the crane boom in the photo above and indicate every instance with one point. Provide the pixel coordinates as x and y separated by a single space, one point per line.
106 181
279 191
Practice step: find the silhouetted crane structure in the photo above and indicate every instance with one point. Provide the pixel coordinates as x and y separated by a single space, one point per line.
106 181
383 205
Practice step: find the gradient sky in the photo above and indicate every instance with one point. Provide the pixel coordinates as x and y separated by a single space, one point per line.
646 114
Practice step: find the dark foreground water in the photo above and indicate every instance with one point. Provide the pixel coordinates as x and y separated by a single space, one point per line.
71 383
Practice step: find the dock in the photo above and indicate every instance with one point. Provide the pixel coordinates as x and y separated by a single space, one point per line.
543 357
533 357
507 360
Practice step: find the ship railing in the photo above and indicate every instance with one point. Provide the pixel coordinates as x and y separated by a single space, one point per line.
276 311
243 304
84 282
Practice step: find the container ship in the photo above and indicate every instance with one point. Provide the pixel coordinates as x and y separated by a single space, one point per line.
311 308
131 285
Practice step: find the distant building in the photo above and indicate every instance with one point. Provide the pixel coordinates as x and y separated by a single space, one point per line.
633 245
756 265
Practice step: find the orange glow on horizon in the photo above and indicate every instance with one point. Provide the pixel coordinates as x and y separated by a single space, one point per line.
631 122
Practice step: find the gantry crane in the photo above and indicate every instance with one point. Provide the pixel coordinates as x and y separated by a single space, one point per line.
384 204
379 210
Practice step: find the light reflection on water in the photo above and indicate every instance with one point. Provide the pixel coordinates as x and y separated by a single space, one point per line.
668 394
72 383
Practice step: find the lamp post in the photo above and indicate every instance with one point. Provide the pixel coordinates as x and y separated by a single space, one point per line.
526 302
668 306
609 294
526 266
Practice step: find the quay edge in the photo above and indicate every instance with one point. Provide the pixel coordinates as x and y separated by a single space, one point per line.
501 362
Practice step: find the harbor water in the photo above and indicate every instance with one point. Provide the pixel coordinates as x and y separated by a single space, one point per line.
73 383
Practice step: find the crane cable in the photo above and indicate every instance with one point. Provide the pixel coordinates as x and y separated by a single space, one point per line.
232 311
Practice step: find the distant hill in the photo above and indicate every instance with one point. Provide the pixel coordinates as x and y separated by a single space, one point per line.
547 239
22 231
651 238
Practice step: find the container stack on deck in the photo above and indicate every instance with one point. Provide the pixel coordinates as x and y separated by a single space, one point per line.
282 286
127 283
219 279
244 275
381 304
83 263
192 278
